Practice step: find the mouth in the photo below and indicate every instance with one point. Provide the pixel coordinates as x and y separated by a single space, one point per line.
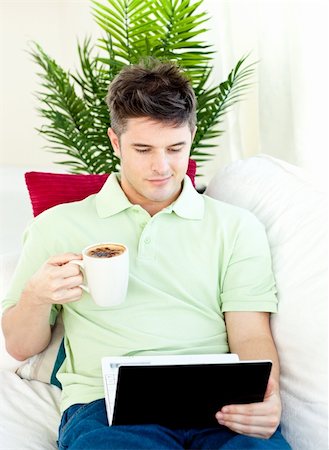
159 181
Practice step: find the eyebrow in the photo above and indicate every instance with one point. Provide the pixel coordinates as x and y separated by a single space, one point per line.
177 144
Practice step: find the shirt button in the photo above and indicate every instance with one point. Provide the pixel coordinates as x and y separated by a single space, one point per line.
147 240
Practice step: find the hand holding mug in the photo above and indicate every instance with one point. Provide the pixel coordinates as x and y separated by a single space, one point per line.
106 270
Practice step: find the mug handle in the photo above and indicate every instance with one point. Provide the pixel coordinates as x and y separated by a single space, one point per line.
80 263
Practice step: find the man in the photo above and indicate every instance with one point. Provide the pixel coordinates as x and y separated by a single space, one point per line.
200 276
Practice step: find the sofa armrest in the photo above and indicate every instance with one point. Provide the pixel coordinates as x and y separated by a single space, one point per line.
8 263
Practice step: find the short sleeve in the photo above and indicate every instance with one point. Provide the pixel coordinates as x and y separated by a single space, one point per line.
249 283
33 255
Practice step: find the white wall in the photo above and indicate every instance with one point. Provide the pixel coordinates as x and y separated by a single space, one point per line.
55 25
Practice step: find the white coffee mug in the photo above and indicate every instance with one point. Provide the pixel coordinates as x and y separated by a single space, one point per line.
106 277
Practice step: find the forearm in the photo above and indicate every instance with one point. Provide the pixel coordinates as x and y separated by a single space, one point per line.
249 335
258 348
26 328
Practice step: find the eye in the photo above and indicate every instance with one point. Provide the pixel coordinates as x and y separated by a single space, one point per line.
175 149
141 150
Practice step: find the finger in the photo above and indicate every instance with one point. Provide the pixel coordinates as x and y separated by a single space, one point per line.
67 295
64 258
251 430
72 282
249 420
74 294
263 421
272 387
249 409
69 270
63 271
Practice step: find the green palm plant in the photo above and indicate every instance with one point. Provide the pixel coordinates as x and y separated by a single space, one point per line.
73 104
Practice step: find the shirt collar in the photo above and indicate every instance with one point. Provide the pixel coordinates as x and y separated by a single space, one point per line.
190 204
111 200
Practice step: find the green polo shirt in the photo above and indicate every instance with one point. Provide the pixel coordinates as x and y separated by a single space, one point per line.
189 264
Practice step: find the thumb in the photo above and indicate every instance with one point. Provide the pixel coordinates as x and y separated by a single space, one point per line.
272 387
64 258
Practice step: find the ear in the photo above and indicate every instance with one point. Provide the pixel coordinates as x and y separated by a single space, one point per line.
114 138
193 133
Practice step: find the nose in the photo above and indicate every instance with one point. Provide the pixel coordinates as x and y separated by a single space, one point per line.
160 163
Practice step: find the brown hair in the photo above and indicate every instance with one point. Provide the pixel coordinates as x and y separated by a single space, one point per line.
159 90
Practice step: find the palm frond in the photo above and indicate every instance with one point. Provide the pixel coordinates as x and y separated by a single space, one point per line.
75 126
214 103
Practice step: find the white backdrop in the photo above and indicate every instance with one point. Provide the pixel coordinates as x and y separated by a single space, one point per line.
285 114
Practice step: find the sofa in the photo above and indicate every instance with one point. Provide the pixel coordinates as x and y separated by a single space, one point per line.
293 211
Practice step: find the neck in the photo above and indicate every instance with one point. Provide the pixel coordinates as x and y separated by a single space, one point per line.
154 207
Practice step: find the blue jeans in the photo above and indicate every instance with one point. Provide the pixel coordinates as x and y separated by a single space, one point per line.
85 426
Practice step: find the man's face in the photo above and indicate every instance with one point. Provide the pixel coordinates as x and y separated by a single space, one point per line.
154 158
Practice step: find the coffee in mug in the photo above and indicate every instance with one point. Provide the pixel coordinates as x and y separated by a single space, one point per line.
106 251
106 272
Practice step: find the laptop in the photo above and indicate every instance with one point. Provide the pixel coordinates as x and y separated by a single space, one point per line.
182 394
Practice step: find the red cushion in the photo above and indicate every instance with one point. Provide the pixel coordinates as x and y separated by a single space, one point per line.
51 189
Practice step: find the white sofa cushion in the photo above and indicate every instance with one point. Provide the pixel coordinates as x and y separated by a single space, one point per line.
294 214
29 414
15 208
8 263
